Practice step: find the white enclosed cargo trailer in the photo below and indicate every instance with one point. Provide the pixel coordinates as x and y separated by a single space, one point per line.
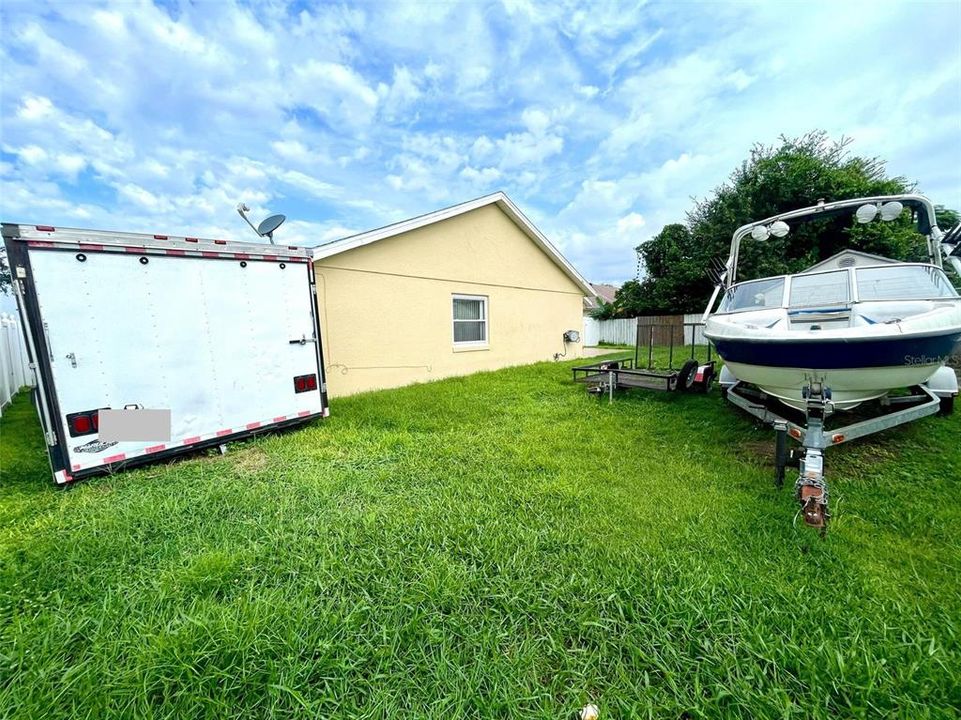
147 346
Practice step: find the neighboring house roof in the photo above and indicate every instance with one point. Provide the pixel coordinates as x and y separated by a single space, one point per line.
602 291
849 258
336 247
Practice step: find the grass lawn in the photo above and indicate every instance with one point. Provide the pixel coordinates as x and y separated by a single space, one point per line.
502 545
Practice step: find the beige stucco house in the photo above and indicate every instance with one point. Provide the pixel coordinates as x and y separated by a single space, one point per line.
471 287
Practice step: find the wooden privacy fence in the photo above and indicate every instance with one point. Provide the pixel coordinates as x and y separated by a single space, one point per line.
15 372
624 331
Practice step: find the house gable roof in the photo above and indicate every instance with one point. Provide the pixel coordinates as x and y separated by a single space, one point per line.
835 261
499 198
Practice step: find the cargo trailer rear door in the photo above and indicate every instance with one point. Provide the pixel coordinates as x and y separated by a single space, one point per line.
227 341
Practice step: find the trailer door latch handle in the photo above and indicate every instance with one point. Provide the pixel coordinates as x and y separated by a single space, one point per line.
303 340
73 359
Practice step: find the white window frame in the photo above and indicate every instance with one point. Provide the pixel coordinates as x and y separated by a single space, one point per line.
471 344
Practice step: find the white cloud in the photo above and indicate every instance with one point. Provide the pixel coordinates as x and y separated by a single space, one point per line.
600 120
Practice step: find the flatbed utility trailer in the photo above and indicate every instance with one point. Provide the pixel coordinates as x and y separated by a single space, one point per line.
146 347
607 376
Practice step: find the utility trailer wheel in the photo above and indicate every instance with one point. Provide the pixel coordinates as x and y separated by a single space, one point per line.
685 376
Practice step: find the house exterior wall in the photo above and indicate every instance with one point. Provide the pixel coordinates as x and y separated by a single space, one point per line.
386 308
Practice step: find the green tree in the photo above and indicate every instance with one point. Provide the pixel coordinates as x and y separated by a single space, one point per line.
794 173
5 286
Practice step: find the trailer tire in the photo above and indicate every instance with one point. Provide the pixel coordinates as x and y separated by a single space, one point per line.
685 376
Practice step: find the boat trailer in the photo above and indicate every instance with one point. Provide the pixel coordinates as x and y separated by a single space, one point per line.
810 488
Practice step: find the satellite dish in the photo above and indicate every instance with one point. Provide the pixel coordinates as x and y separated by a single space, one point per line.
268 226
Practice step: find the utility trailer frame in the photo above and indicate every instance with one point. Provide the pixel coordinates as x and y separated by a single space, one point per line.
608 376
809 429
225 336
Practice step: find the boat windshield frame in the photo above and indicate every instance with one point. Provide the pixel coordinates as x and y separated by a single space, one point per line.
852 286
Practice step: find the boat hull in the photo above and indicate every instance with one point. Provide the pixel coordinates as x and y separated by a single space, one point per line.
856 369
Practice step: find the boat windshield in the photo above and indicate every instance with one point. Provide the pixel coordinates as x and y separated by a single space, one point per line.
903 282
754 295
821 289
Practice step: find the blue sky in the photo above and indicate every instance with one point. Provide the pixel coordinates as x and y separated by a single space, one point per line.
600 120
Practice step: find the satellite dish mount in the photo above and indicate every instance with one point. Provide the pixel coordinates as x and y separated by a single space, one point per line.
266 227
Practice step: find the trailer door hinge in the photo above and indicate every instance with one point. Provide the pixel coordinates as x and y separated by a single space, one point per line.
50 437
21 272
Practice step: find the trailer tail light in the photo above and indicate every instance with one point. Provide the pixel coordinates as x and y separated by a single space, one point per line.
83 423
305 383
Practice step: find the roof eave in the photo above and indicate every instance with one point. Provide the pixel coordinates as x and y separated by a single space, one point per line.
499 198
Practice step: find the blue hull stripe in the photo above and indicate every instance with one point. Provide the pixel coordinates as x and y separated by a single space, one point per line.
839 354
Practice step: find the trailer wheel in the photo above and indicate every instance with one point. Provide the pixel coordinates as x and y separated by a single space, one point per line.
685 376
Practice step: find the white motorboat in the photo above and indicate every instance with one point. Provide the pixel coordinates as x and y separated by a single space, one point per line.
858 325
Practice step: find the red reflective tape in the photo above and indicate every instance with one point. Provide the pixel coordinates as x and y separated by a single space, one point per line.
280 419
220 242
191 239
39 243
90 246
160 237
303 413
45 228
253 425
221 433
175 252
271 257
76 467
155 448
131 249
210 254
192 440
242 256
115 458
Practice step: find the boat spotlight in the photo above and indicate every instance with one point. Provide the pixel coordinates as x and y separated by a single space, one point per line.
760 232
891 210
866 213
779 228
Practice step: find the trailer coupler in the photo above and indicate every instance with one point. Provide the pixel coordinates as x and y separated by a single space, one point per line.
811 491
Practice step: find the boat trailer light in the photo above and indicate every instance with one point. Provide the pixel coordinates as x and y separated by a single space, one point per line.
837 438
794 433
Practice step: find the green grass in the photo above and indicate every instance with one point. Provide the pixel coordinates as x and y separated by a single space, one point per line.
502 545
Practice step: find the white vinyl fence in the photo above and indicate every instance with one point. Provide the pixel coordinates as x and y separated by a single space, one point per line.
623 331
15 372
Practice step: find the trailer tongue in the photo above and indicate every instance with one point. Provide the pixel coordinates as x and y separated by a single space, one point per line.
146 347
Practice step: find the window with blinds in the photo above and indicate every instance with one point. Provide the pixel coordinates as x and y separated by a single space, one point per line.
470 319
